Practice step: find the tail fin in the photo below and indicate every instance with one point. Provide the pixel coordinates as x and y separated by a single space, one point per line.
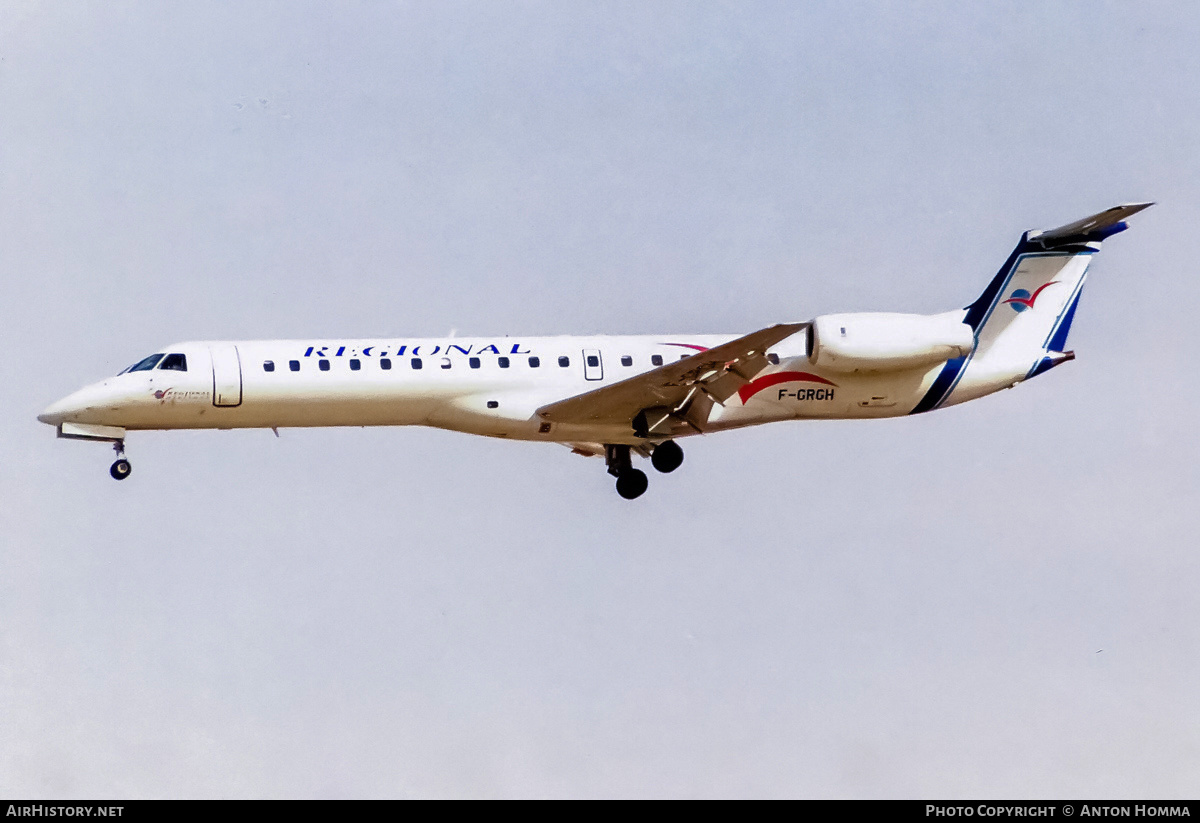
1041 259
1022 319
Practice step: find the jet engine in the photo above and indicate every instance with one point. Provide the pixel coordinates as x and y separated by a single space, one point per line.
874 342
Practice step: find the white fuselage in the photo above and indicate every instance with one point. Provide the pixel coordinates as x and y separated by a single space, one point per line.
486 386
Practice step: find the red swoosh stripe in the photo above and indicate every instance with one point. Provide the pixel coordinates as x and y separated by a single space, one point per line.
755 386
688 346
1028 301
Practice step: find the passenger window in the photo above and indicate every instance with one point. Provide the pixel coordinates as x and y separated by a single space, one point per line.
534 362
564 361
416 363
626 360
503 362
323 364
268 365
593 361
773 359
385 364
446 362
294 365
174 362
145 364
474 361
355 365
656 359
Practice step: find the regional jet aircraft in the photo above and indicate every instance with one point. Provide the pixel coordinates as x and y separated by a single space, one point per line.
617 397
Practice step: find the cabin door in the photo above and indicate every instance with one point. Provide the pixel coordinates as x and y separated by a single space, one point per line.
227 375
593 366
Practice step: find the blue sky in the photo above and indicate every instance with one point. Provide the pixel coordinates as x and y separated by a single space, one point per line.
994 600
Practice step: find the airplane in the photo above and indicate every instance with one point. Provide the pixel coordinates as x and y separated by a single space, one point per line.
617 396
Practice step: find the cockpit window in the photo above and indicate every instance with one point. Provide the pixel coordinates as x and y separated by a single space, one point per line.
174 362
145 365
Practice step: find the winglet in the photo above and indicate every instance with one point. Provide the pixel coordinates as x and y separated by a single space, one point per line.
1090 229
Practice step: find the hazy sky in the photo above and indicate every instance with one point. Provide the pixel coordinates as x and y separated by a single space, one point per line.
996 600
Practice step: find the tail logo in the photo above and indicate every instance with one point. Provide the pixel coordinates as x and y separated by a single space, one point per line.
1020 300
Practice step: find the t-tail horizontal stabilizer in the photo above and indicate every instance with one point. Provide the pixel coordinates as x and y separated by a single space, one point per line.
1090 229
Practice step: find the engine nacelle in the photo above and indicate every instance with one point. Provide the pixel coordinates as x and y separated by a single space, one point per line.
872 342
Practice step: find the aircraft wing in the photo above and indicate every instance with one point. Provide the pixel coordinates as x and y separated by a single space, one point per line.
674 389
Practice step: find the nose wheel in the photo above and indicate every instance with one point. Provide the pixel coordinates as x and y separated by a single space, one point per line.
120 468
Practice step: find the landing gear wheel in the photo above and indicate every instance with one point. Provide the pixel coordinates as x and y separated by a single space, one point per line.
120 469
632 483
667 456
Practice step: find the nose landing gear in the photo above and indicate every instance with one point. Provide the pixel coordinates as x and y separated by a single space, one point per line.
121 468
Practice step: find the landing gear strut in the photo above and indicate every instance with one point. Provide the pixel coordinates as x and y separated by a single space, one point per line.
121 468
631 482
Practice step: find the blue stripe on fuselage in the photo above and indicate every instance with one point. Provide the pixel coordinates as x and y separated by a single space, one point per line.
941 385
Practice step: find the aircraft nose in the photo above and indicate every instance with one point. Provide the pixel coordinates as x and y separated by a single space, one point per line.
66 409
57 412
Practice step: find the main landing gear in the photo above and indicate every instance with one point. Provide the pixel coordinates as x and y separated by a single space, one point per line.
667 456
121 468
631 482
